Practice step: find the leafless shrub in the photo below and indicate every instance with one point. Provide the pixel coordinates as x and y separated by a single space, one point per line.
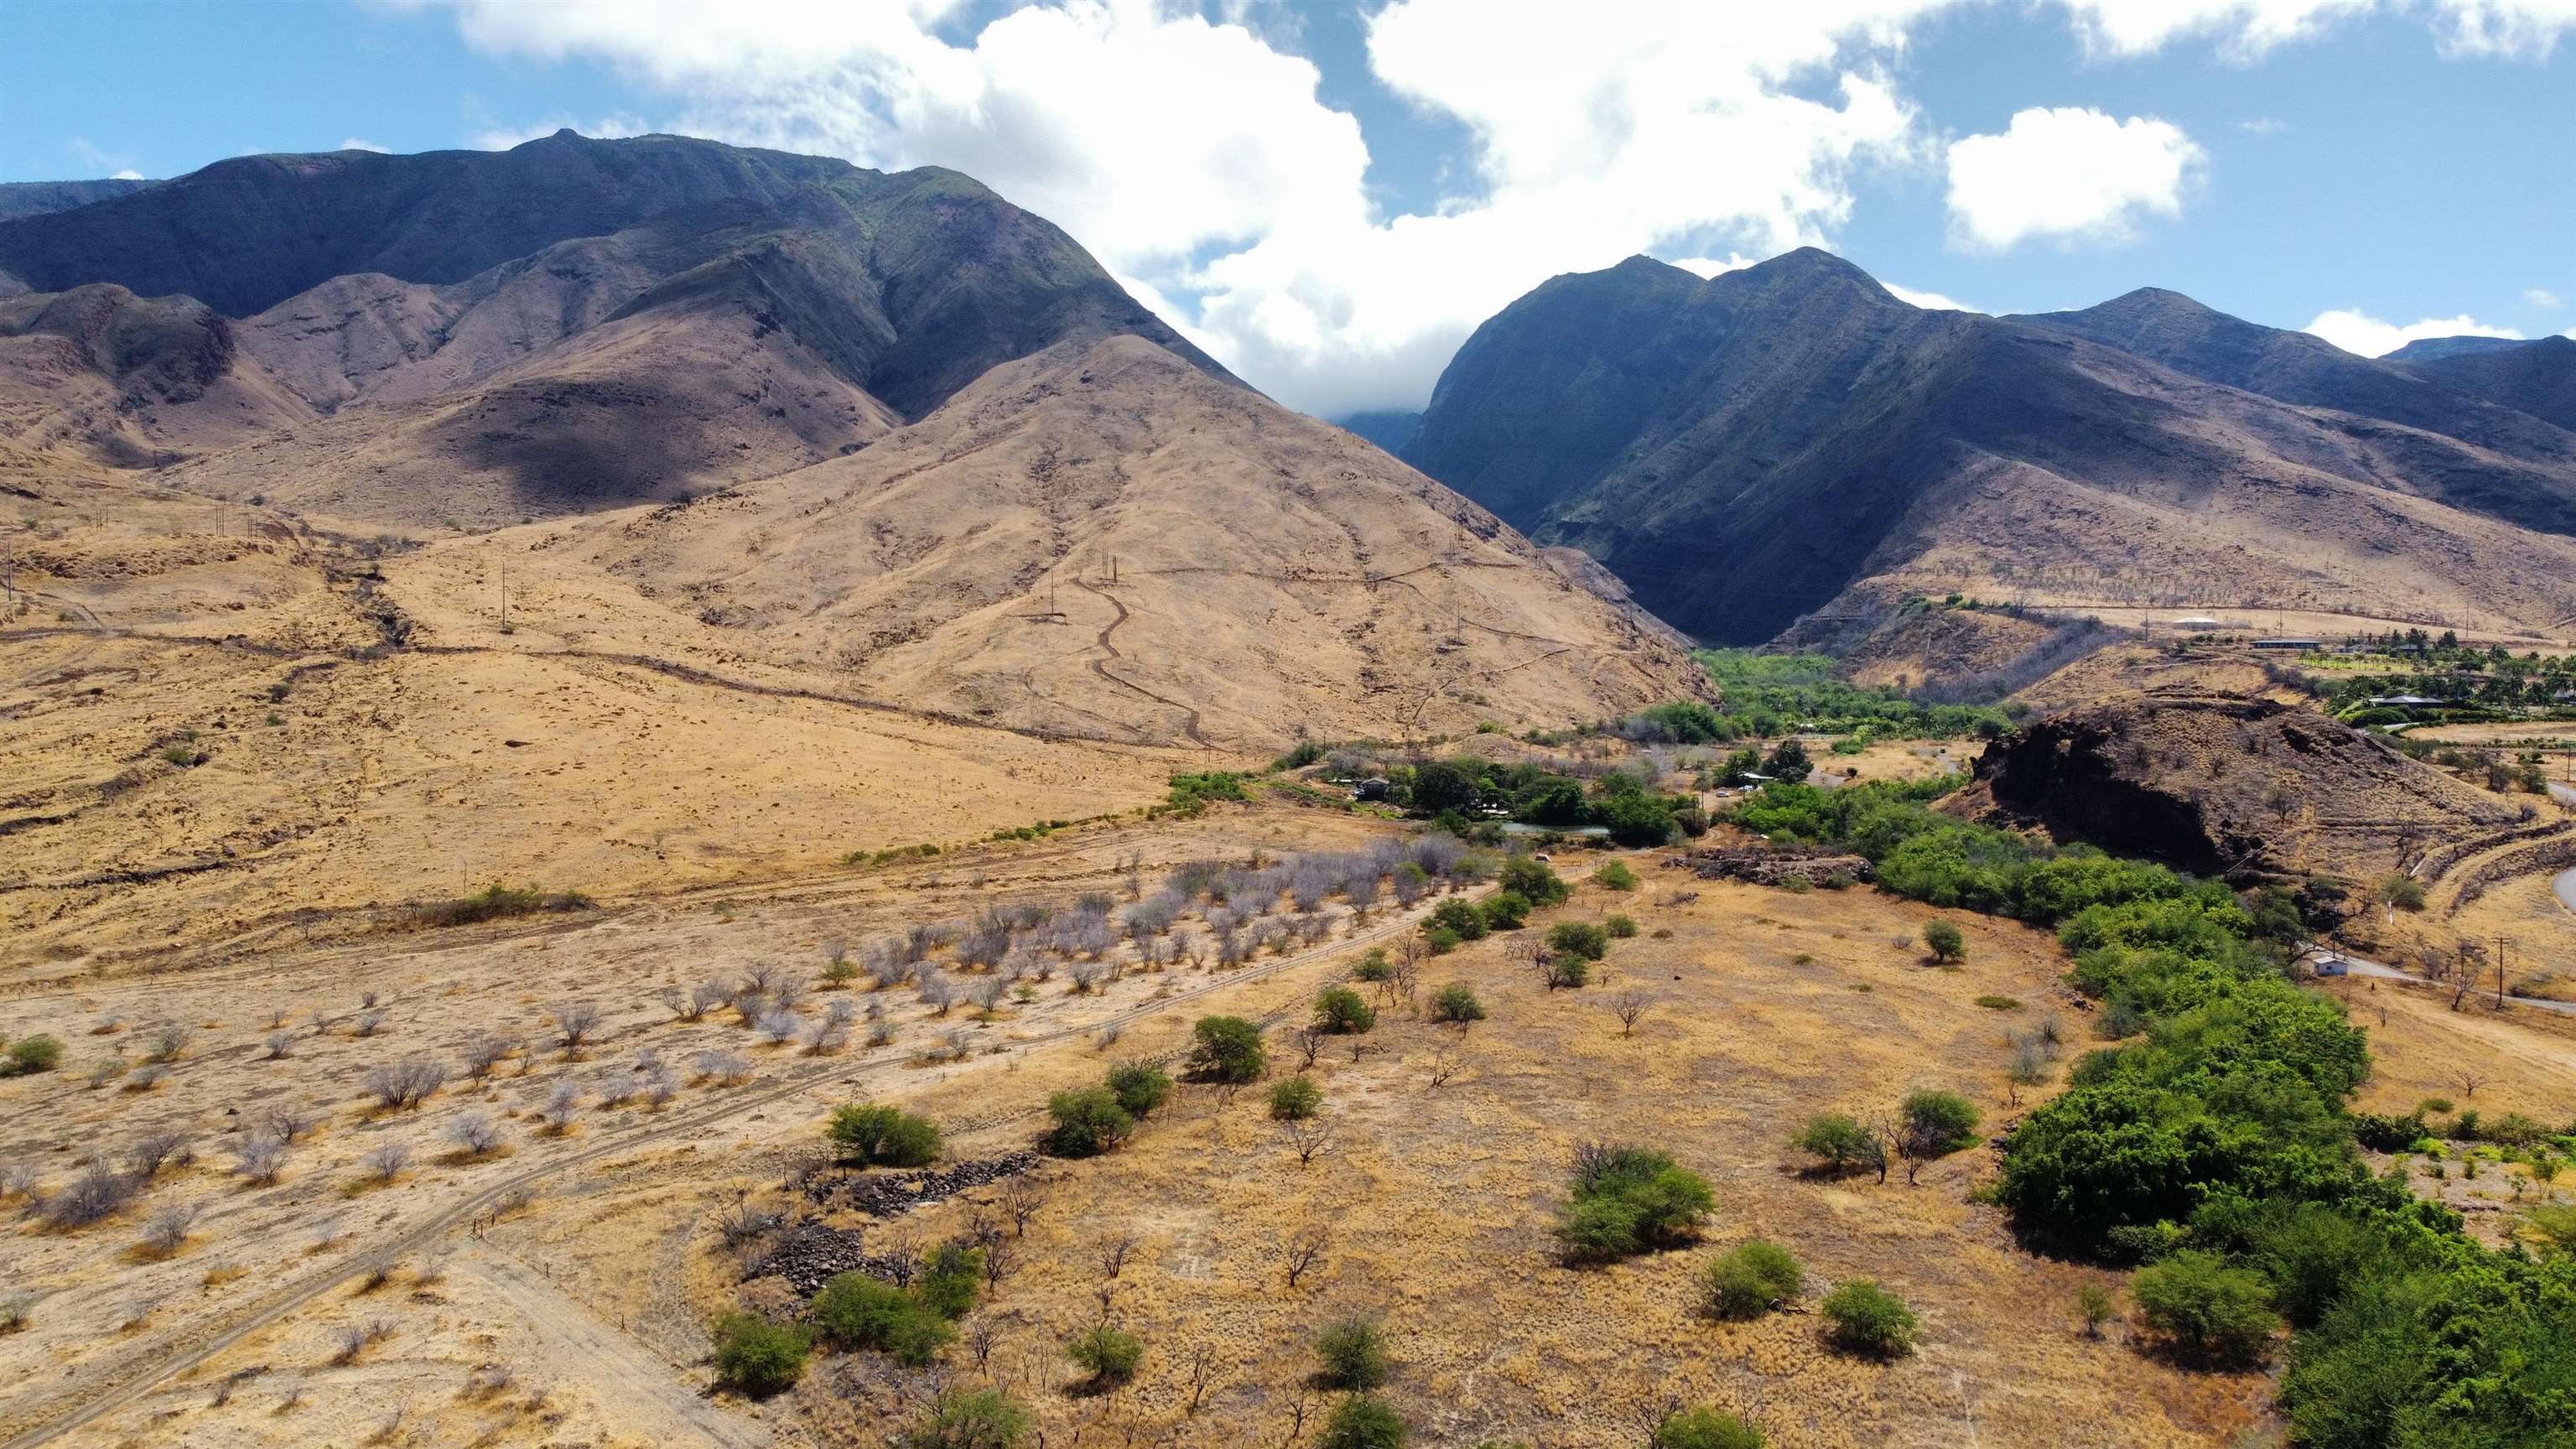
1304 1249
563 1106
719 1066
491 1380
146 1077
704 997
1630 1007
259 1159
1309 1043
989 994
138 1313
1021 1199
1444 1065
166 1231
386 1162
159 1148
661 1084
367 1000
779 1027
403 1085
357 1338
1085 975
960 1044
475 1134
95 1195
1107 1037
789 994
832 1031
280 1044
617 1089
367 1023
937 993
575 1023
167 1041
18 1179
287 1122
1113 1254
1309 1138
485 1050
880 1032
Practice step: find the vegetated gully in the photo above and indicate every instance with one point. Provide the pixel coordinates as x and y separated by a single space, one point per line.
420 1233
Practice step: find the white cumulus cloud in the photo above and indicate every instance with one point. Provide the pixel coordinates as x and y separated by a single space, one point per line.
2368 336
2544 299
353 143
1197 161
1928 301
2069 174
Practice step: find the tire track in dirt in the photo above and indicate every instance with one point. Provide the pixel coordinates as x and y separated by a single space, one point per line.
607 1360
183 1359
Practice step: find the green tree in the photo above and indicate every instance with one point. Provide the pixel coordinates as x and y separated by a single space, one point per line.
873 1135
1615 876
855 1311
1294 1099
1842 1144
1109 1355
1627 1200
1456 1002
948 1280
1749 1278
971 1419
1937 1124
1228 1050
2207 1310
1621 928
1586 939
1353 1353
1340 1009
1441 785
1788 761
1948 943
1705 1428
1459 916
1088 1122
1535 880
1505 911
1363 1421
758 1357
1862 1317
1140 1087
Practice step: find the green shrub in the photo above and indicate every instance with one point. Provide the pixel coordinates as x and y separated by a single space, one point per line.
1443 940
1342 1010
1937 1123
31 1054
1841 1143
1627 1200
1862 1317
1373 967
1460 917
1088 1122
1363 1421
1140 1087
1228 1049
758 1357
878 1136
1615 876
1579 938
2208 1311
1456 1002
1109 1355
497 902
2000 1003
1353 1353
946 1283
1295 1098
1621 928
1948 943
1533 880
1704 1428
855 1311
971 1419
1505 910
1749 1278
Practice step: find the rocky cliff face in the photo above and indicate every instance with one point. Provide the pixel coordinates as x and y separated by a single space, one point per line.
2226 786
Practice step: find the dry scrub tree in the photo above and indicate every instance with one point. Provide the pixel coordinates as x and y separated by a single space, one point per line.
575 1023
1630 1007
400 1086
1304 1251
385 1163
259 1158
475 1134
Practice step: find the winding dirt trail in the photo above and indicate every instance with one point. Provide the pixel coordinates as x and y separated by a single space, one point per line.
1099 667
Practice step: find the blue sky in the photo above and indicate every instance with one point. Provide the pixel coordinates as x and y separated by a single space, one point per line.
1330 193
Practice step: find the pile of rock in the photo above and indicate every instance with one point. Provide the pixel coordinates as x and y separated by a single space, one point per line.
892 1194
1779 865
